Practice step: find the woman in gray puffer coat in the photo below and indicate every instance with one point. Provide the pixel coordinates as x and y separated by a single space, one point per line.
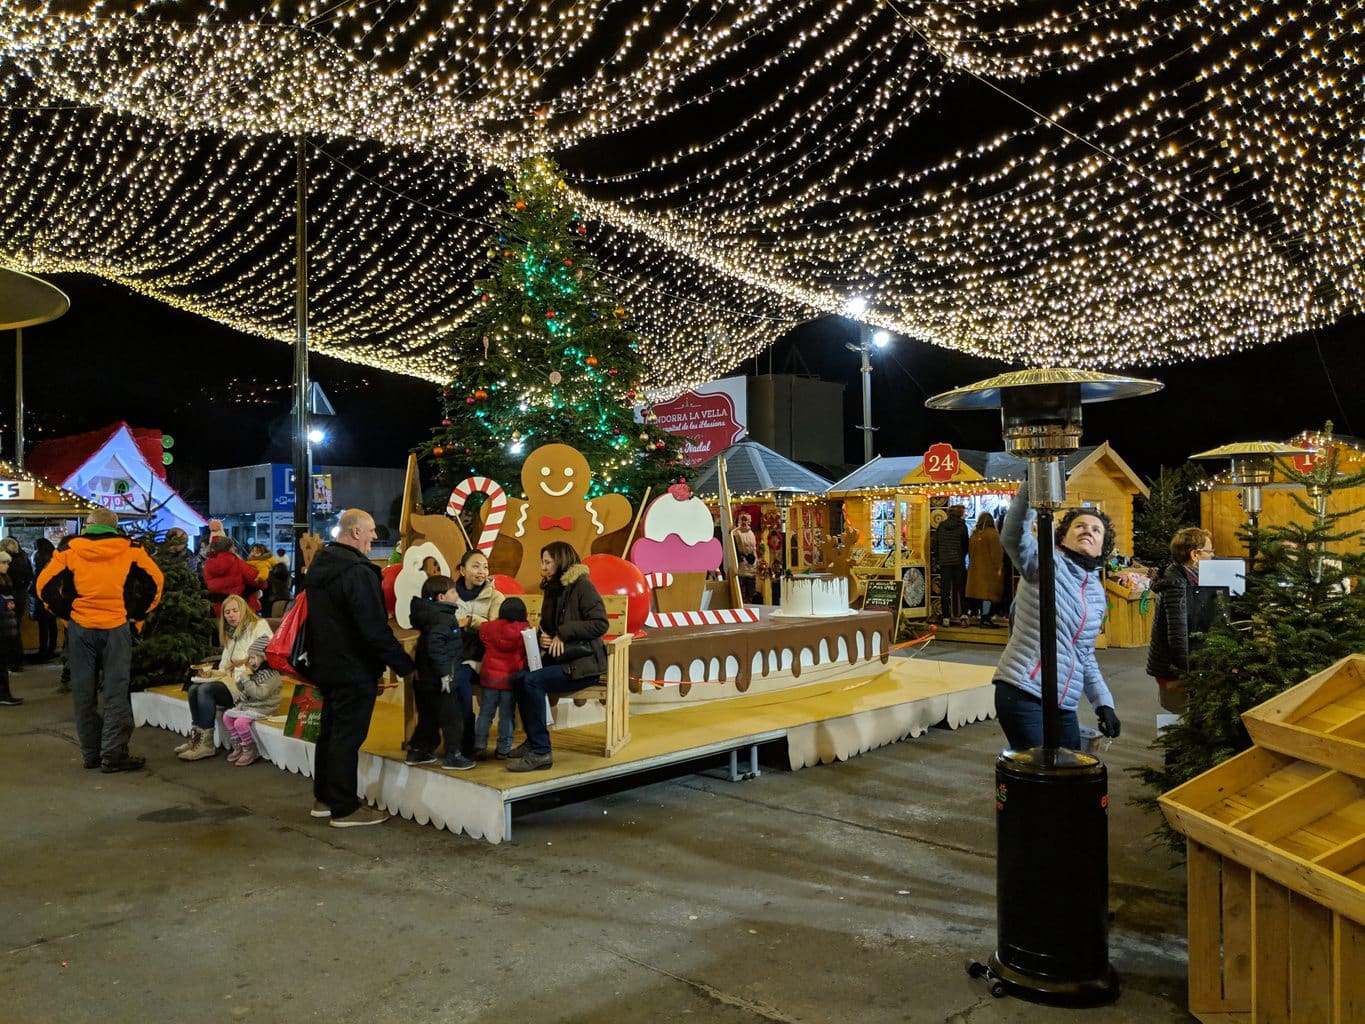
1083 540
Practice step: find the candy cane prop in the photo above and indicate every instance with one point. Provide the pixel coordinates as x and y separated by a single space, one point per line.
497 507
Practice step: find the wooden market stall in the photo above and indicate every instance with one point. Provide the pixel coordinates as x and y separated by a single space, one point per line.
1220 507
897 503
758 477
33 507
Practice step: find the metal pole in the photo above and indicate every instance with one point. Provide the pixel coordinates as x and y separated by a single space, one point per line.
863 347
1047 639
303 453
19 397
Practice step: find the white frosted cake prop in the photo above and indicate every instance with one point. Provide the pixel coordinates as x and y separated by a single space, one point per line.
814 595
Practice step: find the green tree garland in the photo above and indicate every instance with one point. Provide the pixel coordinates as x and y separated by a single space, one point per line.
1295 619
548 356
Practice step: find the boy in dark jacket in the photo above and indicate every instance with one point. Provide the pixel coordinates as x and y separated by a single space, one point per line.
438 656
504 657
9 629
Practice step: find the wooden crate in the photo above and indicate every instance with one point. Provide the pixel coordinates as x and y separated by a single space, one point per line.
1129 623
1277 861
1321 720
1262 952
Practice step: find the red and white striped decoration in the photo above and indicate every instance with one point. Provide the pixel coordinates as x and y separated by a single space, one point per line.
497 507
659 579
711 617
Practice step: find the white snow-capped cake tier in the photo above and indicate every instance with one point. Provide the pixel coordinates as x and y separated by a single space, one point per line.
814 595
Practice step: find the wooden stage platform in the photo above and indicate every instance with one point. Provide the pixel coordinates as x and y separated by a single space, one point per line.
820 722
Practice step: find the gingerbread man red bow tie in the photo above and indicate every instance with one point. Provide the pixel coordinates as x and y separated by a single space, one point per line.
550 523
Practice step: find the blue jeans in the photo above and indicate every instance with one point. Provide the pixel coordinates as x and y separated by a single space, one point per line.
205 700
531 693
1020 714
504 703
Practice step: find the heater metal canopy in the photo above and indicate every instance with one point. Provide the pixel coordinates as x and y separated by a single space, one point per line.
1250 449
26 301
1094 387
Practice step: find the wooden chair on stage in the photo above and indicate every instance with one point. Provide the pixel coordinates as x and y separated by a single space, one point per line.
614 690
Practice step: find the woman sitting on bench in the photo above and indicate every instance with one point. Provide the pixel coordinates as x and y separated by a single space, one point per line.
573 621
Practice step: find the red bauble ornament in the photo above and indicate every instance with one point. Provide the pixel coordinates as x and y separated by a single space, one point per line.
591 360
568 263
506 585
582 229
613 575
549 314
520 204
659 445
613 372
445 423
387 577
481 393
469 400
438 451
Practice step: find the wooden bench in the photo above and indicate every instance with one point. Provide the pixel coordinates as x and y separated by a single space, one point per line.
614 690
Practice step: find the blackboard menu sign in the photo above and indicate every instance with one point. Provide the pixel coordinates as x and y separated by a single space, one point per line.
882 595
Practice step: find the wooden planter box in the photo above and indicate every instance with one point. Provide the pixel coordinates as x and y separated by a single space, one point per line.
1130 620
1321 720
1277 862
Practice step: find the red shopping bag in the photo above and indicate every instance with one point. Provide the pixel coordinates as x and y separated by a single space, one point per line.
288 648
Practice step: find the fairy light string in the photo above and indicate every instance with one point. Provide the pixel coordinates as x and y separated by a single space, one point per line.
741 167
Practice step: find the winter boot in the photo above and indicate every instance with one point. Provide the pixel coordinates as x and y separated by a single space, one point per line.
203 747
235 751
250 754
189 741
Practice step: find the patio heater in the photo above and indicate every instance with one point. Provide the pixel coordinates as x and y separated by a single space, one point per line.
1052 865
1252 466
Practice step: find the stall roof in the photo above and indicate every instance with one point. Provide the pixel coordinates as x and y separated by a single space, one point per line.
750 468
49 501
889 472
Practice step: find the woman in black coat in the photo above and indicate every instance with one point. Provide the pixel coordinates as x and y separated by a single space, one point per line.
47 622
1184 612
573 621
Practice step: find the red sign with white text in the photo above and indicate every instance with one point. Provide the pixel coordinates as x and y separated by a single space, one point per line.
941 462
708 420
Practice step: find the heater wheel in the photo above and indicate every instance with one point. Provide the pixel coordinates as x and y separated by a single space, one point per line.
998 989
976 969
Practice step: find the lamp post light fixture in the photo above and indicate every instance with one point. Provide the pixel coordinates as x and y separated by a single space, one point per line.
1050 945
867 340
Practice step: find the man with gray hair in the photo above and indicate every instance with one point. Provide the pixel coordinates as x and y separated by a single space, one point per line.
100 584
349 642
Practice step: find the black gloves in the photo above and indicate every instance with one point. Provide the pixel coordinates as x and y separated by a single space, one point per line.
1109 722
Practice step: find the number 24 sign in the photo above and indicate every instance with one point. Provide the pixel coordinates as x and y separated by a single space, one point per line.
941 462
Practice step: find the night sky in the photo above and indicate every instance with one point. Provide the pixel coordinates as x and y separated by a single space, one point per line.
224 396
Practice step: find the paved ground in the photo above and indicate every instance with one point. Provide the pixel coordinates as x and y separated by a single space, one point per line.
851 892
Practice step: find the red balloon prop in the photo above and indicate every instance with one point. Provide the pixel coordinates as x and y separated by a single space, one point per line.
389 574
507 585
613 575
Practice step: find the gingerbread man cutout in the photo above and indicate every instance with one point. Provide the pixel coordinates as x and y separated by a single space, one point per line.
556 478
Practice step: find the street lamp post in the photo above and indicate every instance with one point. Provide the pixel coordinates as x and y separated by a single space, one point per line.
867 339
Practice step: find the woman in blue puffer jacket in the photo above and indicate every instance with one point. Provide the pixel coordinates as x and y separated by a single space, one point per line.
1083 541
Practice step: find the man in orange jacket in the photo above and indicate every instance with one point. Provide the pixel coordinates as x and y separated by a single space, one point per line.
99 584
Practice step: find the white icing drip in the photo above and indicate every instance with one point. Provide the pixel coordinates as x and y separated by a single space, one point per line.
595 521
521 519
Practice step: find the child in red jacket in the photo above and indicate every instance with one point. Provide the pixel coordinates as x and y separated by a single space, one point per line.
504 655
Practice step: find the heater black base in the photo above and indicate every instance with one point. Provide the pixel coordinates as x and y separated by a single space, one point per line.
1007 981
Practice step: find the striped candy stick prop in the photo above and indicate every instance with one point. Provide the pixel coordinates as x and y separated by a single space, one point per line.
497 507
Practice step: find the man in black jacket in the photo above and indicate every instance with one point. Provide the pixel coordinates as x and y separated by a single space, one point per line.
349 643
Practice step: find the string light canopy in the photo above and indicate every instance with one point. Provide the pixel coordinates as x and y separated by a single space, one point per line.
1105 185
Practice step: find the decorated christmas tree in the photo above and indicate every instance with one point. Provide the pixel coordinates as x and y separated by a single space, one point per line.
179 631
547 356
1299 614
